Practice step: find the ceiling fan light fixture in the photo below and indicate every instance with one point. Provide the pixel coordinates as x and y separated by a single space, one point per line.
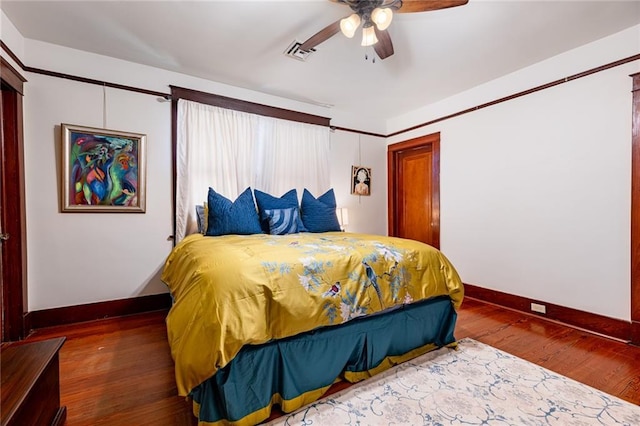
369 36
382 17
349 25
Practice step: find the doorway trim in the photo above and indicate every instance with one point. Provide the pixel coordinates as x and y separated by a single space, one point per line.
14 252
635 212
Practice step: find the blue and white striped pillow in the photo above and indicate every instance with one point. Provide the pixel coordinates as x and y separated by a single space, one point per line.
282 221
269 202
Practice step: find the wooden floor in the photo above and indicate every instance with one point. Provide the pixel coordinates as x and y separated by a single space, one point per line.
120 371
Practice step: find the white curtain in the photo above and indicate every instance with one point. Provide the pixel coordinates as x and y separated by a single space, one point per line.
230 150
292 155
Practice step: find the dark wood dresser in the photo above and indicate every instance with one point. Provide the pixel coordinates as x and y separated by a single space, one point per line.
30 383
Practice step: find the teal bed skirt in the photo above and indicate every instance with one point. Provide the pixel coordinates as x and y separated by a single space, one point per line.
295 371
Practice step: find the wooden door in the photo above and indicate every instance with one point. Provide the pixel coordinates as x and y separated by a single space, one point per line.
13 255
414 189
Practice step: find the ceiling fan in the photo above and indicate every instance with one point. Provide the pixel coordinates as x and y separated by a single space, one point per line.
375 16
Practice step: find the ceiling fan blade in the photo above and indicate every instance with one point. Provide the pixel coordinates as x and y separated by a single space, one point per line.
384 47
409 6
321 36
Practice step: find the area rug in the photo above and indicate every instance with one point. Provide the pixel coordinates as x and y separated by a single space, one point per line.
474 385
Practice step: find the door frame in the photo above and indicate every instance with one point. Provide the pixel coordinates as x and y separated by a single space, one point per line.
13 215
635 212
393 152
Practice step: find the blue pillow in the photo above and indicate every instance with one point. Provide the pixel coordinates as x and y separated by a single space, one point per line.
319 215
269 202
200 213
283 221
238 217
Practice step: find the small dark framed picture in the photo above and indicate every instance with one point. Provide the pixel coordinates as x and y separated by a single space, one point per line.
360 180
102 170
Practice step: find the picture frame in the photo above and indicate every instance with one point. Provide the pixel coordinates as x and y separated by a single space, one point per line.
361 180
103 170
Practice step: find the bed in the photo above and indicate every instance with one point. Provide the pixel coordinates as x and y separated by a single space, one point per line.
259 320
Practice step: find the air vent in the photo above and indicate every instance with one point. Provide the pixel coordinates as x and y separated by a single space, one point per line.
293 51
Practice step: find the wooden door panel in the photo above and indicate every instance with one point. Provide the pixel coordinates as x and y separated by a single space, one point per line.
414 189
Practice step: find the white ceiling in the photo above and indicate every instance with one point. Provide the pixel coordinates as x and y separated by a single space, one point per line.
241 43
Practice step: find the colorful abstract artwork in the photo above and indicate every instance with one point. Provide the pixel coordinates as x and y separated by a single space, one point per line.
103 170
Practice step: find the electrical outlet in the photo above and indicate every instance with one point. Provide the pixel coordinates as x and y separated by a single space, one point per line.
541 309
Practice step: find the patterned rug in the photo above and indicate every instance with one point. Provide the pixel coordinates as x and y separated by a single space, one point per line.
475 385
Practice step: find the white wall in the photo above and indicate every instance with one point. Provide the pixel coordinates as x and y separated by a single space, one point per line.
367 214
535 192
12 38
78 258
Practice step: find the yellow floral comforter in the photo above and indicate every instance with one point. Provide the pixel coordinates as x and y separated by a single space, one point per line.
234 290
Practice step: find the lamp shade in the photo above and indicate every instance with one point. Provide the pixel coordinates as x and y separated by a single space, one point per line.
349 25
382 17
369 36
343 216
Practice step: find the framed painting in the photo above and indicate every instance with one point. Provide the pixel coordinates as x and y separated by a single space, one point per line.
102 170
360 180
